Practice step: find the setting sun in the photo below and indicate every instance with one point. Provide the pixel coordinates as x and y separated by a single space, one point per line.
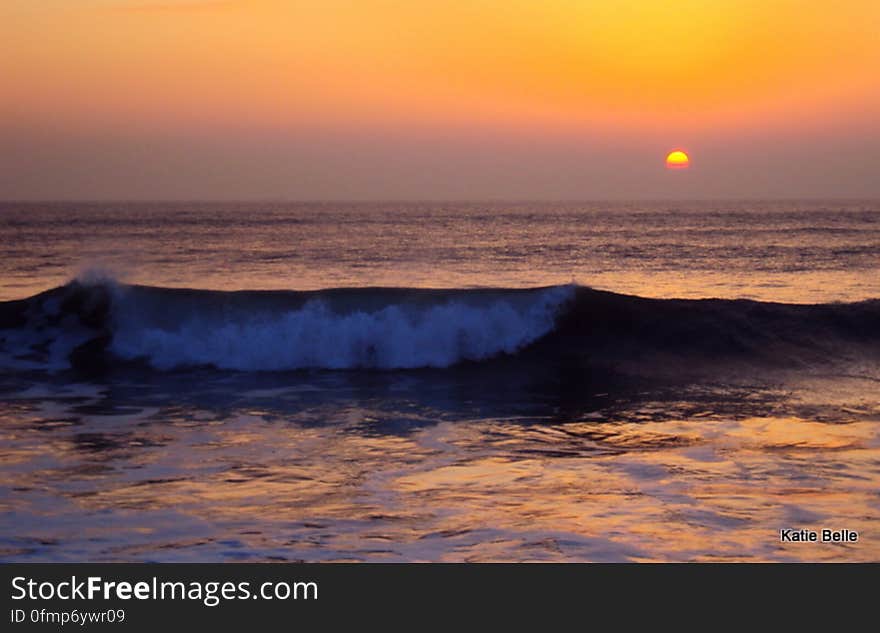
677 159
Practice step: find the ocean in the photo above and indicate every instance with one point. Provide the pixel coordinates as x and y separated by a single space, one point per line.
427 381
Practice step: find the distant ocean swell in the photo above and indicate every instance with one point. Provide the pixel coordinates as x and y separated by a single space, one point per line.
92 326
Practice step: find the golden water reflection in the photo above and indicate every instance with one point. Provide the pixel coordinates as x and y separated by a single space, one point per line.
263 483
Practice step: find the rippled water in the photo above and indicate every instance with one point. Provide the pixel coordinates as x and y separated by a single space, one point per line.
469 463
811 251
419 468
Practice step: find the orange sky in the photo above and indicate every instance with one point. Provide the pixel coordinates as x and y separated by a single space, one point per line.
587 84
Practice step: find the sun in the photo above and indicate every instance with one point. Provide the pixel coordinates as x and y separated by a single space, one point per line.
677 159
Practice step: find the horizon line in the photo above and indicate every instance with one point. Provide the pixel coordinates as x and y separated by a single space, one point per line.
285 200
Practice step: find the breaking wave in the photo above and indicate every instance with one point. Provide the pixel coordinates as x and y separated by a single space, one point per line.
94 325
334 329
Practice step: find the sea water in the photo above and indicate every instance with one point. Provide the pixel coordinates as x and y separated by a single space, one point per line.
439 381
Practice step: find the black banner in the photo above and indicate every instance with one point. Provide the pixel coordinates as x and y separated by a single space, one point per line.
67 596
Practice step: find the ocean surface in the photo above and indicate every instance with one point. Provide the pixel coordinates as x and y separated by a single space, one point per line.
567 381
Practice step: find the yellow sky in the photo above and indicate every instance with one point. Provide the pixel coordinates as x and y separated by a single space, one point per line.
645 67
565 61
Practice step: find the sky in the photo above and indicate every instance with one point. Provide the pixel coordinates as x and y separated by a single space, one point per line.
438 99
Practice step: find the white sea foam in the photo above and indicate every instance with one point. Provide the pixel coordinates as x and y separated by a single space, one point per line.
396 336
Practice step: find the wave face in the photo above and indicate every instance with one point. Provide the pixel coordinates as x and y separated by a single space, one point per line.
92 326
